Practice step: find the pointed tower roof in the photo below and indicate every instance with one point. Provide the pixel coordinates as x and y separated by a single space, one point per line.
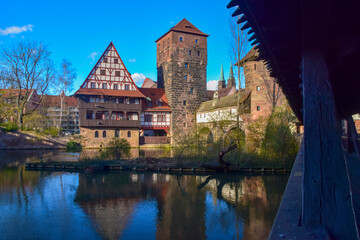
231 73
110 70
186 27
222 74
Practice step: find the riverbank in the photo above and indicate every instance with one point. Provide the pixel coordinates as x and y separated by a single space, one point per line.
141 164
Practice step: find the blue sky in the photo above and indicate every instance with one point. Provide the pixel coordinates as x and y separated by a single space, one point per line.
81 31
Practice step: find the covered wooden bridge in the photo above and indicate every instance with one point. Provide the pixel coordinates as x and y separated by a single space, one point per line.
312 48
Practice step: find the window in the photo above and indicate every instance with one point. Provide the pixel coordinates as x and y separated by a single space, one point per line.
148 103
117 73
104 134
89 114
104 85
127 87
184 102
255 66
258 88
105 60
184 124
106 116
121 100
196 41
258 108
137 101
99 115
96 134
102 72
115 86
191 90
181 39
128 134
198 53
189 52
132 100
185 77
148 118
117 133
92 85
185 65
116 60
161 118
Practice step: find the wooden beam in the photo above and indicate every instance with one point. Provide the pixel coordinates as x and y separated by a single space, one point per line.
352 136
327 197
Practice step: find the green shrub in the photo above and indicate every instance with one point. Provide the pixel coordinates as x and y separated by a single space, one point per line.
53 131
73 146
116 149
10 127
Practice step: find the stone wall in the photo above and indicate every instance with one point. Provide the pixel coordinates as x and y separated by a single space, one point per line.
89 140
182 72
259 82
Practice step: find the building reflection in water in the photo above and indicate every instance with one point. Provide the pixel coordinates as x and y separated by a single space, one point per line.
131 205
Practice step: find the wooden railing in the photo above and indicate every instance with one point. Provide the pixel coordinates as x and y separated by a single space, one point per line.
155 140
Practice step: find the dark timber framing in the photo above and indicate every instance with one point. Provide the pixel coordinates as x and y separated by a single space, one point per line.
312 48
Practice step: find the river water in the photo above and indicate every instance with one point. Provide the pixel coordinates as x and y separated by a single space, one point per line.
129 205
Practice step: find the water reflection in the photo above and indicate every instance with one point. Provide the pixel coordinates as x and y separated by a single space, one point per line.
133 205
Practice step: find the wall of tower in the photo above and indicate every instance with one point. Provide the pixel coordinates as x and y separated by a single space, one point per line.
182 72
259 82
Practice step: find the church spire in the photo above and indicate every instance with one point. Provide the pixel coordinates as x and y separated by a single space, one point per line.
231 79
221 82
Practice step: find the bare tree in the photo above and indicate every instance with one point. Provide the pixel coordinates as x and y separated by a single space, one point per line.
239 46
65 81
31 68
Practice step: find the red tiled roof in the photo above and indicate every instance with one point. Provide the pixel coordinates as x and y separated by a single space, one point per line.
13 92
54 100
155 94
210 94
225 91
186 27
149 83
108 92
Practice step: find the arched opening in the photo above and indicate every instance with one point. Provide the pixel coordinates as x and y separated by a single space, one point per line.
232 135
117 133
104 134
206 134
96 134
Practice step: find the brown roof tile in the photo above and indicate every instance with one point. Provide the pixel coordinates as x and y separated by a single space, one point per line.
108 92
149 83
155 94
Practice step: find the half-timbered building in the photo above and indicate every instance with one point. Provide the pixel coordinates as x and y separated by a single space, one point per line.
109 102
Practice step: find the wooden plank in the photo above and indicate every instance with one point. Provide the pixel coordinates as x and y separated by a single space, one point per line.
327 198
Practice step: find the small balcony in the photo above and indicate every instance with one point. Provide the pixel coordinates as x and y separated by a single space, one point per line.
109 123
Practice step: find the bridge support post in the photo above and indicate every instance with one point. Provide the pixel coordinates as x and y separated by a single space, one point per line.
327 197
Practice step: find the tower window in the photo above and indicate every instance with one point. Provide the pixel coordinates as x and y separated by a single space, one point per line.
116 60
117 131
184 124
104 86
184 102
181 39
198 53
196 41
92 85
191 90
258 108
104 134
117 73
102 72
186 65
189 52
128 134
258 88
105 60
96 134
185 77
115 86
254 66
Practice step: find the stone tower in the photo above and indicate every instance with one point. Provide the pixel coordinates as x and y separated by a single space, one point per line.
181 69
221 82
231 79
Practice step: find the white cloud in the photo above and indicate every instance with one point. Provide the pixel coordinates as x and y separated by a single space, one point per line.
138 78
16 30
93 55
212 85
172 22
132 60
